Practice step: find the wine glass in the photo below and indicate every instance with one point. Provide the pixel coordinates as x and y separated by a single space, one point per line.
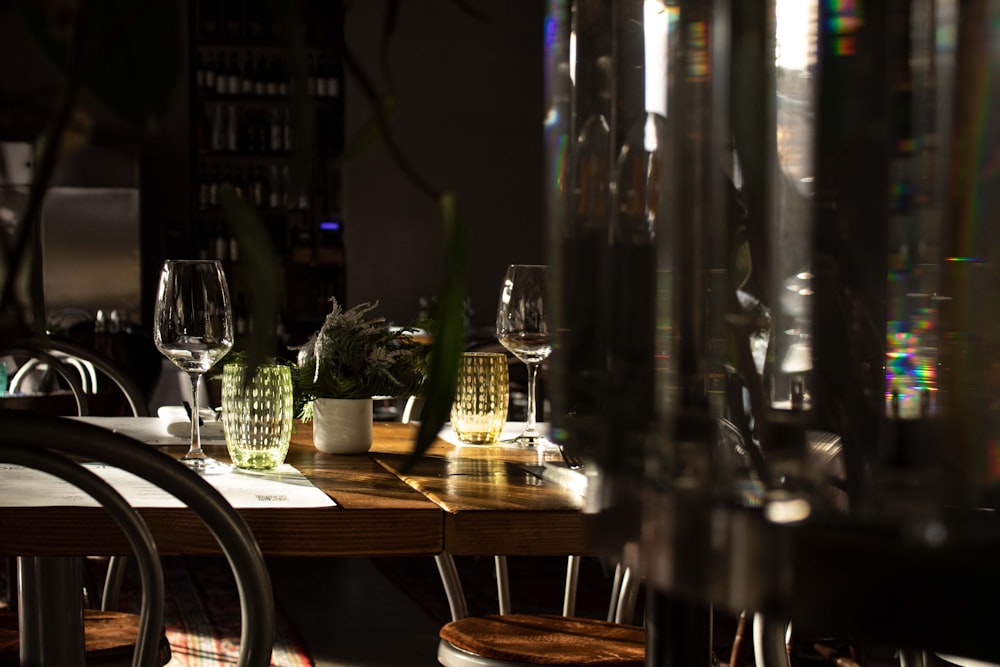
193 327
523 328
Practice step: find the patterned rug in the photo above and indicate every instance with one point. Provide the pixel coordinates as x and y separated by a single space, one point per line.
201 614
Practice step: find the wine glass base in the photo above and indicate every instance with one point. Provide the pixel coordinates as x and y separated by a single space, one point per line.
525 440
207 466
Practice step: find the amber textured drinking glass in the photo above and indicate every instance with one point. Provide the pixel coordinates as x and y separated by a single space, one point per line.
482 393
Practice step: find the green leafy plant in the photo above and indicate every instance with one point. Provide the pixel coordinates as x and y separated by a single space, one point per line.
357 355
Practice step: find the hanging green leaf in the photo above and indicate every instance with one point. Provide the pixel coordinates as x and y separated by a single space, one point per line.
257 271
449 340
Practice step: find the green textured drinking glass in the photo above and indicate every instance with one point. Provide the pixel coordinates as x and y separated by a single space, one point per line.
257 415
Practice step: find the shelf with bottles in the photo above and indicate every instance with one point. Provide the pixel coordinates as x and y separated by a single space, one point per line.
252 21
254 129
260 73
265 182
300 238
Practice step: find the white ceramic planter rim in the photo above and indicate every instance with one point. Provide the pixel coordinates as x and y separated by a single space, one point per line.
342 425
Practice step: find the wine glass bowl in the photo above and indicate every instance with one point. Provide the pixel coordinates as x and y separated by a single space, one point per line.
193 328
523 328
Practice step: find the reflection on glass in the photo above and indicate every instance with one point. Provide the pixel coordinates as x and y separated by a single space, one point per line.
795 57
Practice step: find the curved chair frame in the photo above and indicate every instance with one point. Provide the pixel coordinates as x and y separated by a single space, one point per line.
48 348
62 355
230 530
621 610
69 375
135 529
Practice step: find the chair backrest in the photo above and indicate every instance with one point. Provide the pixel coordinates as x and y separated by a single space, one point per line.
79 367
622 595
144 547
29 431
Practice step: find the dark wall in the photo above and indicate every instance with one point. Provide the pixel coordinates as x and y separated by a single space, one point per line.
469 117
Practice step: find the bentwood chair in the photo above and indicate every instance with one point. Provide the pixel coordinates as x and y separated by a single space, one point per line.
83 373
509 639
38 441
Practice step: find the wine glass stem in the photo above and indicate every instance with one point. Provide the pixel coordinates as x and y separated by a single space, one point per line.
529 428
195 451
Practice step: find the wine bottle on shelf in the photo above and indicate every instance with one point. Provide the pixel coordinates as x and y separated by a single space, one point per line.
275 191
218 122
208 19
232 128
312 78
332 80
255 23
282 78
277 131
220 244
248 132
199 72
208 81
271 88
259 77
320 74
240 327
286 187
233 20
286 129
255 188
235 82
222 75
246 75
202 190
213 188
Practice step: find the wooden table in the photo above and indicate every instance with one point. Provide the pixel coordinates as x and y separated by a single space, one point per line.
491 503
467 500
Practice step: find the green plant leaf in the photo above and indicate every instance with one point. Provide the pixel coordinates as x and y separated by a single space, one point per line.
449 340
258 272
131 54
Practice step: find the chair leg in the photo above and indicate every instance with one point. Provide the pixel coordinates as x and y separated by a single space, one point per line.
503 584
572 577
452 586
113 583
627 597
770 643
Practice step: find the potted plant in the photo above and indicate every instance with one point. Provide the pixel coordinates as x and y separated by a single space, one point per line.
353 358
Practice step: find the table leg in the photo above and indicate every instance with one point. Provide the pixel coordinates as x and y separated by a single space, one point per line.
50 603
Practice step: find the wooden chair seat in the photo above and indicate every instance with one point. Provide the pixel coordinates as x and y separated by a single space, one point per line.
109 635
548 640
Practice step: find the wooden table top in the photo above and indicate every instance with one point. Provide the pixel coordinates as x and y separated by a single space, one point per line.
492 504
468 500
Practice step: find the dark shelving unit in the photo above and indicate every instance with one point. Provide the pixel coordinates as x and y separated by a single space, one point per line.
243 134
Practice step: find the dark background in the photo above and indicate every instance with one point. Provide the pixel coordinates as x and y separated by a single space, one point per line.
469 116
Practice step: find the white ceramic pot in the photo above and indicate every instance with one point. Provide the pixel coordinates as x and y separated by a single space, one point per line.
342 425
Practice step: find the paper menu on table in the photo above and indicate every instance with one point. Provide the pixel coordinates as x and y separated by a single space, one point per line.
158 431
284 487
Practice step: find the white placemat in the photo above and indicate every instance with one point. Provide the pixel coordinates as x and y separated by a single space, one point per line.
284 487
167 430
